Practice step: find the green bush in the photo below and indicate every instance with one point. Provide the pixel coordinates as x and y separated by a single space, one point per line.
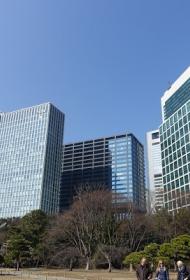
134 258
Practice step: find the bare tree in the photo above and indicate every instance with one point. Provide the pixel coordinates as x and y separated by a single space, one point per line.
134 227
109 240
83 224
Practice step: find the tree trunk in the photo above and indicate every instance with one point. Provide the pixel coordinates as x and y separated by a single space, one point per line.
175 266
17 265
131 267
37 262
109 265
71 265
87 264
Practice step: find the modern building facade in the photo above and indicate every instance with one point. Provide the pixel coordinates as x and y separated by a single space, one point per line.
175 143
155 184
115 162
30 160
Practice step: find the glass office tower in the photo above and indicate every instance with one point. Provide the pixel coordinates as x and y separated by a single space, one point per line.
116 163
30 162
175 143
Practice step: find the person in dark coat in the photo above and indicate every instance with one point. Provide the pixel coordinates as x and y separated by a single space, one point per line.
143 270
183 271
162 271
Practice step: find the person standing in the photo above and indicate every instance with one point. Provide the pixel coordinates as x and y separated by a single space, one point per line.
143 271
162 271
183 271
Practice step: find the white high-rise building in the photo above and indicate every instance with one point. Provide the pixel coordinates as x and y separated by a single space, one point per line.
155 185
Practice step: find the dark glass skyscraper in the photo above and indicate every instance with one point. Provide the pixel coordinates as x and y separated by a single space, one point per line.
115 162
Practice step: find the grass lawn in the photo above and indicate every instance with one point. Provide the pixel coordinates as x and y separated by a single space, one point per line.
58 274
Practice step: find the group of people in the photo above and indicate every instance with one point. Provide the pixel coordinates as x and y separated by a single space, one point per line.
144 272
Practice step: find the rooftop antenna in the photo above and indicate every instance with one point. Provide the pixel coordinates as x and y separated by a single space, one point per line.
169 84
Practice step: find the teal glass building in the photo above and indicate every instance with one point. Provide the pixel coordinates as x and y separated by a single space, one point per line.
175 144
115 162
30 160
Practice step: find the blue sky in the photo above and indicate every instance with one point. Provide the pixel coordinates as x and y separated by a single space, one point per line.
105 63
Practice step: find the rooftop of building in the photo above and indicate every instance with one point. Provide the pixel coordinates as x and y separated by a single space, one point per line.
176 85
30 107
99 139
